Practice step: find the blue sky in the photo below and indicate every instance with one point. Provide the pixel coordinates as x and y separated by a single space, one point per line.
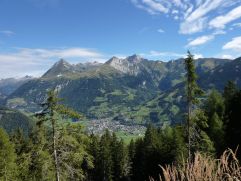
36 33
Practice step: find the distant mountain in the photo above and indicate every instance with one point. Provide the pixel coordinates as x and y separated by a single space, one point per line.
63 68
133 88
218 76
129 65
9 85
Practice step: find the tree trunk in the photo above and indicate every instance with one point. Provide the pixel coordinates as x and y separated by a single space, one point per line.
188 131
56 163
189 97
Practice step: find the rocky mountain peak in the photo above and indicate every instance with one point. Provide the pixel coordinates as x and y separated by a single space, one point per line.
113 59
128 65
62 63
59 68
134 58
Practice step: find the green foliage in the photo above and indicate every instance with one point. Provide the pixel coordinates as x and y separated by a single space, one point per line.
106 92
110 158
51 108
8 167
192 93
215 109
193 90
74 159
11 120
214 127
158 147
233 123
230 90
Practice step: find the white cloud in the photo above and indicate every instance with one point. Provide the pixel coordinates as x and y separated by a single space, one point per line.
190 27
176 17
197 56
60 53
167 55
222 21
226 56
203 9
160 30
193 15
219 32
151 6
36 61
237 24
234 44
177 2
155 6
200 40
154 53
196 20
7 32
175 11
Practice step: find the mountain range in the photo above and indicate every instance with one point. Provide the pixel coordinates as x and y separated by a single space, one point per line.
130 89
9 85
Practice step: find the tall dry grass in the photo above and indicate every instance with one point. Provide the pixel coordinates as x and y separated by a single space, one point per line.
205 168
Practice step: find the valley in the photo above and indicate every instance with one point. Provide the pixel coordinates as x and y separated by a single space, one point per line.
122 94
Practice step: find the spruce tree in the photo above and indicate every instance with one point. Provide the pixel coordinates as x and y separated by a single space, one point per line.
229 91
105 156
233 123
8 168
121 165
215 110
94 150
74 160
52 108
192 91
41 167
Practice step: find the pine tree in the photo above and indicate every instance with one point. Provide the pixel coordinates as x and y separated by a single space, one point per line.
131 156
41 166
94 150
229 91
215 109
201 141
22 149
49 113
192 92
105 157
233 122
180 147
74 160
8 168
120 159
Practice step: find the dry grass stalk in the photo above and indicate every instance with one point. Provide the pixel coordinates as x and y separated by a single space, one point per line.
205 168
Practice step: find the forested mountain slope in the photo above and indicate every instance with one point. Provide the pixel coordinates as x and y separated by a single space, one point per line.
133 89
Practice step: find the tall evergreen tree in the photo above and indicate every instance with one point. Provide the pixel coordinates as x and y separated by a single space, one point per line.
94 150
193 91
233 122
180 146
121 164
49 113
229 91
41 167
215 110
8 167
74 160
105 157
